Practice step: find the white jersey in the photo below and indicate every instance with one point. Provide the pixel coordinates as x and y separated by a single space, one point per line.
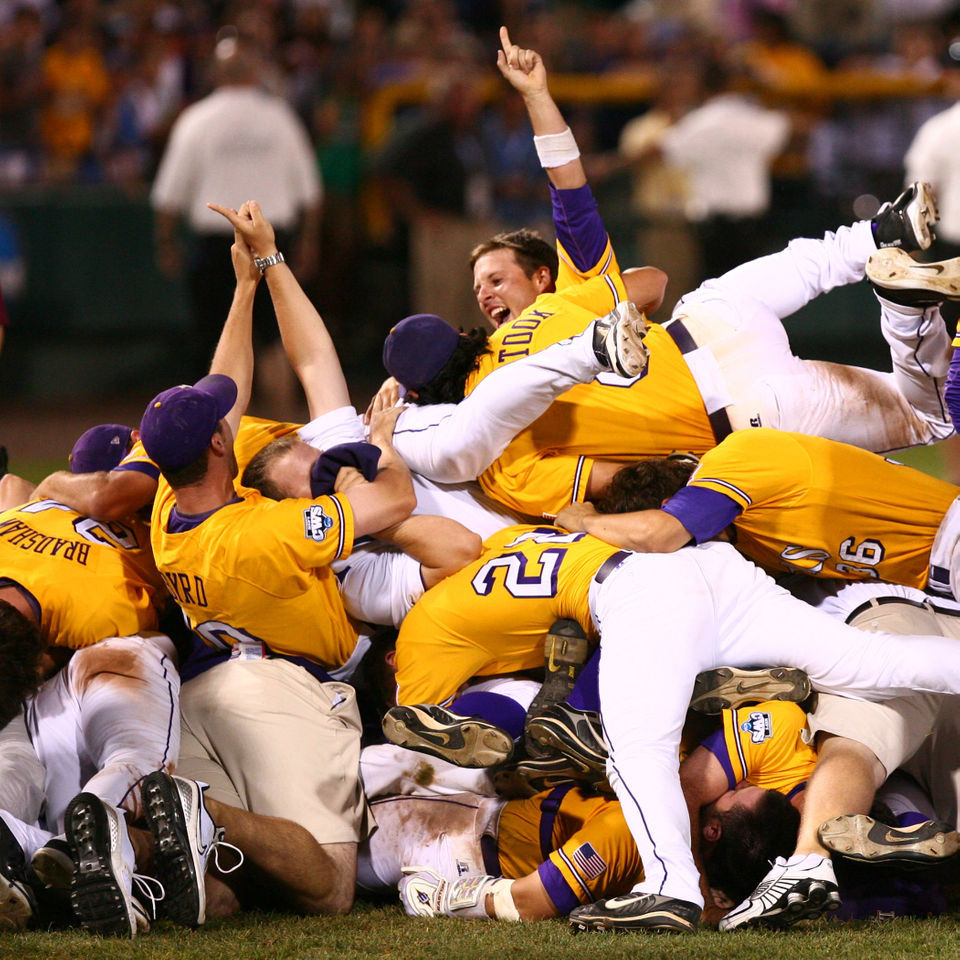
378 582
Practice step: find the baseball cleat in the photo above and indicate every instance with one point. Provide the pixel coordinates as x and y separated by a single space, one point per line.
618 340
860 837
800 888
908 221
565 651
729 687
464 741
526 778
17 900
53 864
897 277
637 912
101 892
573 733
185 836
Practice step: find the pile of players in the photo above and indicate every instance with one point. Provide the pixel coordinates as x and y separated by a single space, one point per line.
206 618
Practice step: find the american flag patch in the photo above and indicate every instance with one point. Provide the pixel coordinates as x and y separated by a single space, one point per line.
588 861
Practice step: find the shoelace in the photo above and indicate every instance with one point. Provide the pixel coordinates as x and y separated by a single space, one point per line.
215 846
148 890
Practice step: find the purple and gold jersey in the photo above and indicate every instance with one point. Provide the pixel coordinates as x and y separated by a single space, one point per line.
821 507
609 418
579 845
491 617
762 745
89 580
252 436
258 569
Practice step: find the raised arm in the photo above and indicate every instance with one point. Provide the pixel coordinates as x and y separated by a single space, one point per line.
389 498
525 72
234 353
305 337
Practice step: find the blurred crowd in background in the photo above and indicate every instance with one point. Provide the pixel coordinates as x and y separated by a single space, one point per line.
409 120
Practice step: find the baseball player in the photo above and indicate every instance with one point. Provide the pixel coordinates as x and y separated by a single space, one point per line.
795 503
723 362
253 578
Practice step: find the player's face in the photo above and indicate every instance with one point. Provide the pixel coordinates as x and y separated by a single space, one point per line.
291 470
744 795
503 290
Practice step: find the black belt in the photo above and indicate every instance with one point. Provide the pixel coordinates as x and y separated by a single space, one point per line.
880 601
610 564
719 421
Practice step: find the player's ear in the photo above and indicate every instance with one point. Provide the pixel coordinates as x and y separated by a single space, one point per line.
711 830
390 659
542 279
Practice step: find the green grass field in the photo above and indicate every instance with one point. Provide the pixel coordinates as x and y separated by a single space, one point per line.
384 932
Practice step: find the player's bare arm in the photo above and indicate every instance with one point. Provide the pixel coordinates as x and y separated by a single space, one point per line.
389 498
646 531
645 287
525 72
306 340
14 491
105 495
441 545
234 354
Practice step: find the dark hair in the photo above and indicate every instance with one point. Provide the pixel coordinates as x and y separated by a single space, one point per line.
645 485
20 649
529 248
255 474
449 385
750 840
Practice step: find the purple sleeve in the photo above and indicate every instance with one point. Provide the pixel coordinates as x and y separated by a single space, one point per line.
579 227
716 743
952 391
703 513
141 466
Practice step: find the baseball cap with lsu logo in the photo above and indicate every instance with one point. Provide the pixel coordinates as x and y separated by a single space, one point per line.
100 448
417 349
178 423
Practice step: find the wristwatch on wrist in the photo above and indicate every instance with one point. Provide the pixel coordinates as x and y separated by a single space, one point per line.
262 263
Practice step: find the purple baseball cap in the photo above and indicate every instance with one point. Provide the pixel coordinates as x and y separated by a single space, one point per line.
178 423
417 348
100 448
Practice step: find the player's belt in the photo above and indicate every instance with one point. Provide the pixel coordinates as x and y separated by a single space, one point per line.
880 601
610 564
719 421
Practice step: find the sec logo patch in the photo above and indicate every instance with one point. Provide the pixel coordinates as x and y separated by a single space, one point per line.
316 523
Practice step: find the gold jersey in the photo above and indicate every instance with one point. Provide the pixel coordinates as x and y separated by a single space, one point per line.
548 464
89 580
578 843
258 570
826 508
490 617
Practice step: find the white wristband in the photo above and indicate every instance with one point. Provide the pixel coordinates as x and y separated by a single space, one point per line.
556 149
503 906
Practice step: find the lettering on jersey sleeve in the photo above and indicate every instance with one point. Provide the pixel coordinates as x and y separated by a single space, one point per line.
759 724
316 523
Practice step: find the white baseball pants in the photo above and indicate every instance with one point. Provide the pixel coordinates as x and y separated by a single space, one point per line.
744 360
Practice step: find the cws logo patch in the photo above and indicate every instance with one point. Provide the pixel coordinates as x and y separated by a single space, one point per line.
316 523
759 725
